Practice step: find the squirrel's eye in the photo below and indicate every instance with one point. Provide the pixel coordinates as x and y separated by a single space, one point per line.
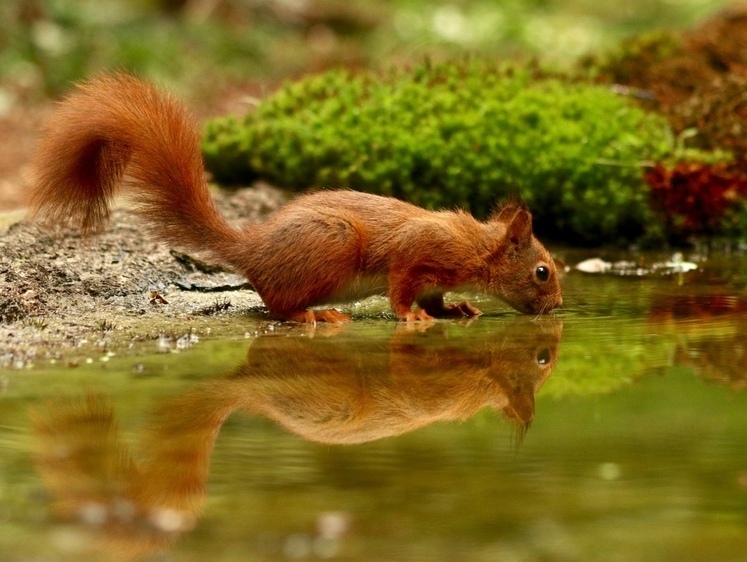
544 356
542 273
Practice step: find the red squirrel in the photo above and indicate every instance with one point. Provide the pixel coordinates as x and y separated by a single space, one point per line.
324 247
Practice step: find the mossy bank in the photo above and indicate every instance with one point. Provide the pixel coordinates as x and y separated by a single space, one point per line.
465 134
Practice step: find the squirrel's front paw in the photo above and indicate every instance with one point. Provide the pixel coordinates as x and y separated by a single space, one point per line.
311 316
467 309
419 315
462 309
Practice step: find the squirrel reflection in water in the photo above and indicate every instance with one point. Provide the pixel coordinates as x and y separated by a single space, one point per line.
325 389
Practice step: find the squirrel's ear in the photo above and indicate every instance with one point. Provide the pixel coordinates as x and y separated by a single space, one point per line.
505 212
519 229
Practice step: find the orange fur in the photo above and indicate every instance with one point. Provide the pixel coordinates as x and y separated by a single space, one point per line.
326 247
330 391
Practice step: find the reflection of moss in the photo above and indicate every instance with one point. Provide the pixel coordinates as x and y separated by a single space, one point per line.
463 134
591 362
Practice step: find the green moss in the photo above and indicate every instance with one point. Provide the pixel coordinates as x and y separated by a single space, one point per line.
459 134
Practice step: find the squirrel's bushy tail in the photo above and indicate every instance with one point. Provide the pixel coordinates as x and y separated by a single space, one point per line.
118 129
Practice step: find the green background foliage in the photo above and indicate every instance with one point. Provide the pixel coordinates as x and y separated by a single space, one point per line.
193 46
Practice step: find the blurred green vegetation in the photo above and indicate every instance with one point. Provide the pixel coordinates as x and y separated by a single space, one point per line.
195 45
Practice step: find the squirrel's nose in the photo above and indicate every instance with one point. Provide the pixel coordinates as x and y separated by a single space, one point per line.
553 303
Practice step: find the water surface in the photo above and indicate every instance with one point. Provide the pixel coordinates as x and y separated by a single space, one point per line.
615 429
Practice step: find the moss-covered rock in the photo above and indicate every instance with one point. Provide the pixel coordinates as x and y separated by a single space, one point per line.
459 134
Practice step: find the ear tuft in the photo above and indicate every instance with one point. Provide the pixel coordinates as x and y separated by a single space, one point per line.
506 211
519 229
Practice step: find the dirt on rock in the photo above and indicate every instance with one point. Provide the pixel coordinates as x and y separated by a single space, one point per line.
59 291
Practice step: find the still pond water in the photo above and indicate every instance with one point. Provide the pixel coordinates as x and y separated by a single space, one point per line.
615 429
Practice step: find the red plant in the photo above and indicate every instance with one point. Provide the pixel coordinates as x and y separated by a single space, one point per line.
694 197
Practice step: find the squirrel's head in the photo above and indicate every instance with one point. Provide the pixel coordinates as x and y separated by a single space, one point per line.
522 271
